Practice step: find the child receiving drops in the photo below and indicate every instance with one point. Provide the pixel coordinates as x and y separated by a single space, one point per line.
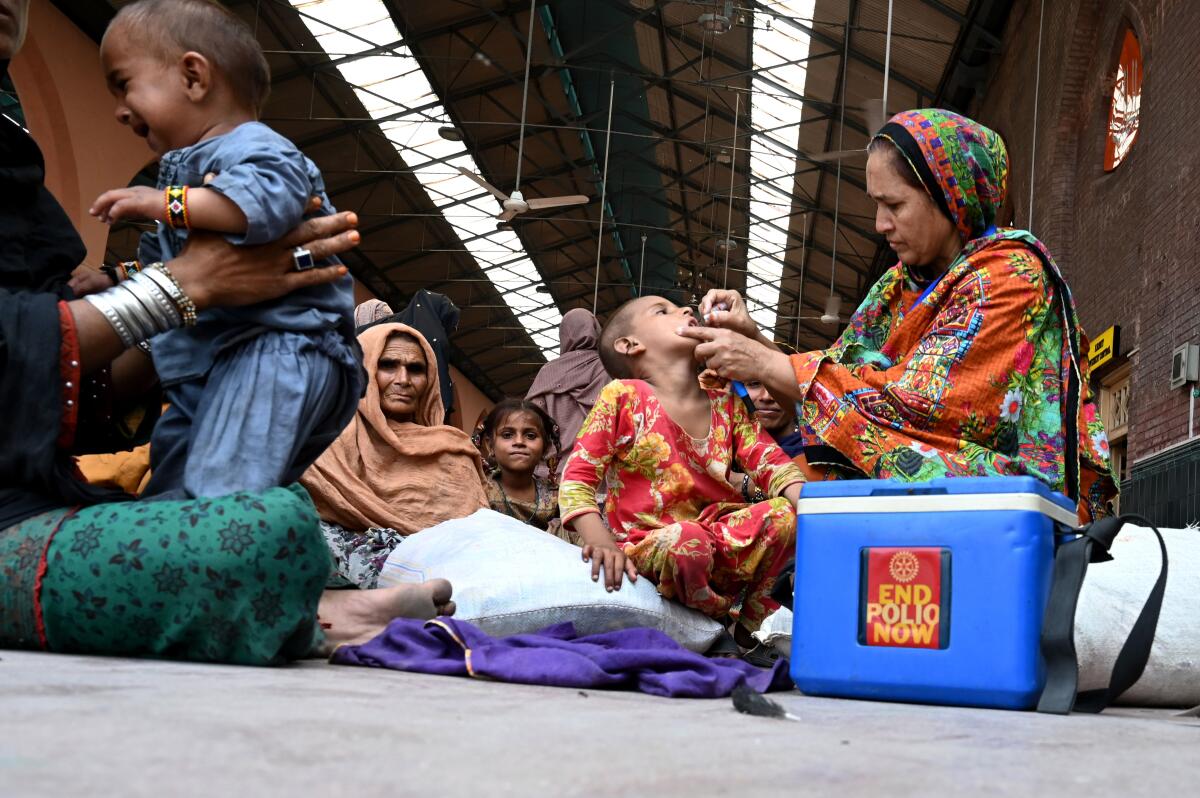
517 437
665 447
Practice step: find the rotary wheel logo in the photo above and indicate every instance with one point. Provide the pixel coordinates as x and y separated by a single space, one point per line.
904 566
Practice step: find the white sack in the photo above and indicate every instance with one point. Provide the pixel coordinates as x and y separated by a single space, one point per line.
510 578
1112 597
776 632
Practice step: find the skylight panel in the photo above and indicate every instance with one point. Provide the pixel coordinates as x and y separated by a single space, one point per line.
772 165
390 87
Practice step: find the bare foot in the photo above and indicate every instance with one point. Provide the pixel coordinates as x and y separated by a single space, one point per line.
350 617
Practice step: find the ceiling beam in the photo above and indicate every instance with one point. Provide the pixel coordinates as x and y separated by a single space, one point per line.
759 6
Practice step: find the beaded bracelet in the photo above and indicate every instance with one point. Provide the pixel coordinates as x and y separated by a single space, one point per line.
187 308
756 496
175 200
130 268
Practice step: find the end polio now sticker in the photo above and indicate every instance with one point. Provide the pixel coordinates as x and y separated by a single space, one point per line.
905 598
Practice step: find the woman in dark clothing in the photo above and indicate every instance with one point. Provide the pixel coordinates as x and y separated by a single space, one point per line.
235 579
435 317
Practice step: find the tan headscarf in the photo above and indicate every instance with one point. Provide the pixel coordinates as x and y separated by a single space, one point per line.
406 476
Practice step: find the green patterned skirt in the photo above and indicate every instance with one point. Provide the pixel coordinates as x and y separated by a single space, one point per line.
235 579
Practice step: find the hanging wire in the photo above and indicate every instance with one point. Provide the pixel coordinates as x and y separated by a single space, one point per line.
612 86
642 266
837 185
1037 88
803 264
737 107
525 92
710 169
887 61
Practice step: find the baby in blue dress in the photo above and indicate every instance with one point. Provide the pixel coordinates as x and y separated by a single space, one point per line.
255 393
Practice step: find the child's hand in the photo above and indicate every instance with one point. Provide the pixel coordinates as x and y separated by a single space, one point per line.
135 202
616 566
86 280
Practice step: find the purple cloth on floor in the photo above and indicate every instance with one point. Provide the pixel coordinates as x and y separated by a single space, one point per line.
628 659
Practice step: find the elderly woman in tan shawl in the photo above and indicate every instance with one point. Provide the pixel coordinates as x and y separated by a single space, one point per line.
395 469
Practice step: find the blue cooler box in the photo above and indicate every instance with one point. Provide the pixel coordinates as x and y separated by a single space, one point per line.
930 592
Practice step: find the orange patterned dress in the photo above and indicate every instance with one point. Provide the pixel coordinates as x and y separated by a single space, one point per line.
671 505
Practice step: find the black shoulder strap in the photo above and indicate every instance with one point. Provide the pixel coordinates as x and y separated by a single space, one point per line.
1060 695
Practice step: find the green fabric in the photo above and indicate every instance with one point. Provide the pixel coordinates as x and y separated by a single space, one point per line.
21 549
235 579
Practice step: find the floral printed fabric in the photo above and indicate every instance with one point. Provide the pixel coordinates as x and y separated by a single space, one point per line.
725 562
235 579
358 557
671 506
21 548
541 512
969 382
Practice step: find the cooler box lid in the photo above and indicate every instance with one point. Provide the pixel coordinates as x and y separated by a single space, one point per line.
949 494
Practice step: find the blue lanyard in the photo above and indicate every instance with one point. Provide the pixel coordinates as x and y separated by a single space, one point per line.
739 388
991 231
928 290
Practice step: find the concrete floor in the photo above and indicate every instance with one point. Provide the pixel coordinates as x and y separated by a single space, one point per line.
96 726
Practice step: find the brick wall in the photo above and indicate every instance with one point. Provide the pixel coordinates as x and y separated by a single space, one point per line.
1127 240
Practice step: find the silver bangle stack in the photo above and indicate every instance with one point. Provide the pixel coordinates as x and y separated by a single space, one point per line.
148 303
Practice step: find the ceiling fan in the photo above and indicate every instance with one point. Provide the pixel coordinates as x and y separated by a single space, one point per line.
875 109
876 113
832 313
515 204
876 116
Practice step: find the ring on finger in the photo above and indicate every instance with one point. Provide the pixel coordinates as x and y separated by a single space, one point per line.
303 259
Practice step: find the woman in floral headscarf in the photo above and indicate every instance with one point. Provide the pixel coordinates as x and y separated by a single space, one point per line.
965 359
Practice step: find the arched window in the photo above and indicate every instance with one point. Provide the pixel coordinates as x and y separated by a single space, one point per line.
1125 112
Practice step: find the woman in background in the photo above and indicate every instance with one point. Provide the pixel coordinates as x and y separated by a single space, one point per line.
567 387
396 469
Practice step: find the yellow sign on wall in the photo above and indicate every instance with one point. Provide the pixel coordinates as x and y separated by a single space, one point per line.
1104 347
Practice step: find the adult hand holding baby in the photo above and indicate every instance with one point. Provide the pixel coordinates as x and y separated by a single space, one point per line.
214 272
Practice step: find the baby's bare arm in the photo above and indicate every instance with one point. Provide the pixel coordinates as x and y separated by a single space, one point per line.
212 210
206 209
